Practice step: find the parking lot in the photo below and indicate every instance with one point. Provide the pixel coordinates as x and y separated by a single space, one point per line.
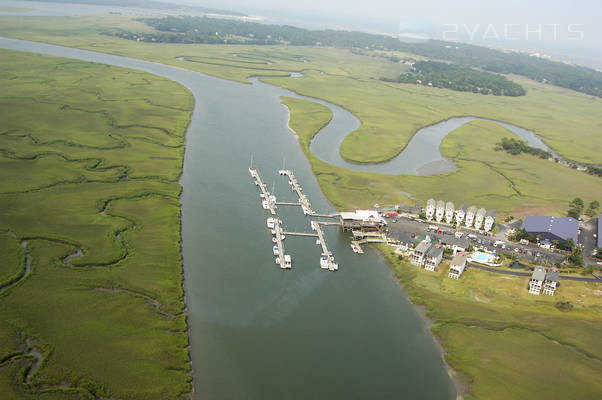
408 229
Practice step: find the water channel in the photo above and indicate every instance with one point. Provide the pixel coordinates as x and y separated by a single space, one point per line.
258 332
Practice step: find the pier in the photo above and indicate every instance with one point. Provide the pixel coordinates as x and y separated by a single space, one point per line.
284 260
326 260
268 201
296 187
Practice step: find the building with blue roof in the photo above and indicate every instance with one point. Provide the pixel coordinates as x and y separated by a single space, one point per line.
552 228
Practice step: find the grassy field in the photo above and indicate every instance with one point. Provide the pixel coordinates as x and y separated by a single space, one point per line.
505 343
80 173
390 113
13 259
492 179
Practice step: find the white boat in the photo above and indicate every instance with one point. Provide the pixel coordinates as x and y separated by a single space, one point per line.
273 231
282 172
318 241
272 198
277 260
271 222
276 252
334 266
265 204
282 237
287 261
274 240
324 261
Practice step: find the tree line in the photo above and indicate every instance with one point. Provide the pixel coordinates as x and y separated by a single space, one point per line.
212 30
517 146
460 78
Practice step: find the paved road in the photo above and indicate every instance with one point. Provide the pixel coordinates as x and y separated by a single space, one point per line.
587 240
516 273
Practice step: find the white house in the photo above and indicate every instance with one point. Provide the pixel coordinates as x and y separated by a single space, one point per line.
430 209
480 218
449 212
537 279
470 214
440 210
551 281
457 266
489 221
460 214
419 253
433 258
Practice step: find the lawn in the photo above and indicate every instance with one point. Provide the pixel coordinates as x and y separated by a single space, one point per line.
77 176
505 342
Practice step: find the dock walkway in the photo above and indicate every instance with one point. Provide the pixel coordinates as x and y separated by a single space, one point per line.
278 238
268 201
331 265
296 187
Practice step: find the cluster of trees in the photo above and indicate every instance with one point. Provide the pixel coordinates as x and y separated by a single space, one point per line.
144 4
185 38
198 30
577 206
516 146
576 258
520 234
460 78
594 170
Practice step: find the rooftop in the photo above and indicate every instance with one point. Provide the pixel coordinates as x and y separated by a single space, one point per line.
539 274
565 228
451 240
423 247
434 252
553 275
459 260
363 215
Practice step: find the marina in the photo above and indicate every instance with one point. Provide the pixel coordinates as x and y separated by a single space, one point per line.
275 225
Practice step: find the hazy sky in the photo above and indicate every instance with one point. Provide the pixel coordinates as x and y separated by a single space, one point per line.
501 23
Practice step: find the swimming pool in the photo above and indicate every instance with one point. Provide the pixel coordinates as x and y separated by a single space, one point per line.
483 257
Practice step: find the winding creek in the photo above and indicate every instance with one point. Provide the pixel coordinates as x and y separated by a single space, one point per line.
258 332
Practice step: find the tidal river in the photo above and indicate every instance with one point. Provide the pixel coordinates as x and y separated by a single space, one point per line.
258 332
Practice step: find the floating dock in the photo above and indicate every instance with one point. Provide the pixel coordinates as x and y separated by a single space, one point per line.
268 201
327 260
296 187
282 259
